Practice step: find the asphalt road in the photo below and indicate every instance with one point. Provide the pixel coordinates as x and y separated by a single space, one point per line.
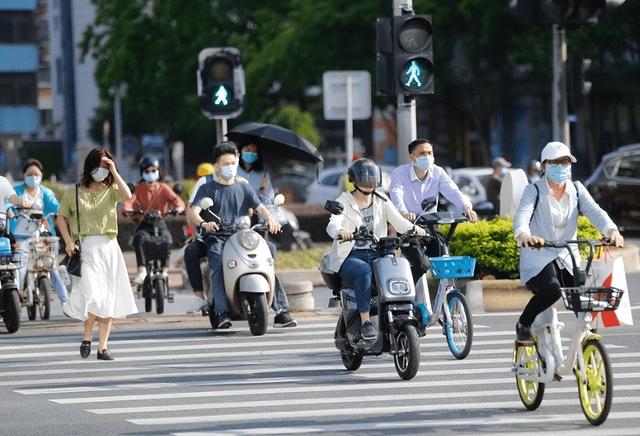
174 375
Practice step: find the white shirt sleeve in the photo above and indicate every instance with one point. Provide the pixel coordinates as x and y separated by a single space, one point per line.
6 190
201 181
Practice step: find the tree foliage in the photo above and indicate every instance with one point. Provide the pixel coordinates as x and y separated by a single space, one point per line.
480 51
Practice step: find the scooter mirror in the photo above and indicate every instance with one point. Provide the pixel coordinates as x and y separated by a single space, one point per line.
278 200
334 207
206 203
428 203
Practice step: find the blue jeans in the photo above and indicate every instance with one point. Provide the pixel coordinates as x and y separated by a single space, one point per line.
356 272
214 256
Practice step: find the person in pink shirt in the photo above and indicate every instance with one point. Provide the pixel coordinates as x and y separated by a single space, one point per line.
150 194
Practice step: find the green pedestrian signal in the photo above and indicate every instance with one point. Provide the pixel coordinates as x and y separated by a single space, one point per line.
413 55
220 82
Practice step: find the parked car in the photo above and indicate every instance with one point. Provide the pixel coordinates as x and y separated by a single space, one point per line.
615 186
330 183
472 182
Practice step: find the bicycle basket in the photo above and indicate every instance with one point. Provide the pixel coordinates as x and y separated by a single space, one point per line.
10 261
156 249
452 267
43 252
587 299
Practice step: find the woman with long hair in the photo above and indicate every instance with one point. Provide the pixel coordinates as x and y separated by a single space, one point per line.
104 290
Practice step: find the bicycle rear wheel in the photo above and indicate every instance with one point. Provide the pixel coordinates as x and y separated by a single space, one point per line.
459 329
526 359
595 391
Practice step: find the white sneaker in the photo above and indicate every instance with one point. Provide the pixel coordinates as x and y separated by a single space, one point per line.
197 304
140 278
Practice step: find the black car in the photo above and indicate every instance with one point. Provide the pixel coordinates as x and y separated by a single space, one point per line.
615 186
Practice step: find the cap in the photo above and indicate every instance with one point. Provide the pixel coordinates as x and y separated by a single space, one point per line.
555 150
500 161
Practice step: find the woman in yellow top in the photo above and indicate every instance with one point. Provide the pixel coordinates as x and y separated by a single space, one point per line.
105 292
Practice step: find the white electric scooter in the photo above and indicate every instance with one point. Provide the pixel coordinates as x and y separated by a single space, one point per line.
248 269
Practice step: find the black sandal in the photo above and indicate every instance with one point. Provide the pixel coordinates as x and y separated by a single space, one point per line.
85 349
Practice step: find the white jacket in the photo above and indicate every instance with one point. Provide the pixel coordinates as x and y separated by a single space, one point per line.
383 212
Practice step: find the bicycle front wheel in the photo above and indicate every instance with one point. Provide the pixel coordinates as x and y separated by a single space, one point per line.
527 361
596 389
459 329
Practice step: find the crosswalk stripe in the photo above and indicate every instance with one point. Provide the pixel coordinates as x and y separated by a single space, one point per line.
298 389
306 414
459 423
342 399
239 372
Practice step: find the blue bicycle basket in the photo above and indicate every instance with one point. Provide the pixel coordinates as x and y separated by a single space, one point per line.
5 247
452 267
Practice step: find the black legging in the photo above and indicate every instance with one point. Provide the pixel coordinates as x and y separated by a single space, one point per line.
144 232
193 254
546 291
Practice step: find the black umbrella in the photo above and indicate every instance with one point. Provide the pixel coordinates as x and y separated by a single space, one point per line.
275 142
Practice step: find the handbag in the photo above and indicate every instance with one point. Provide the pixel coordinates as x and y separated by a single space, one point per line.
74 262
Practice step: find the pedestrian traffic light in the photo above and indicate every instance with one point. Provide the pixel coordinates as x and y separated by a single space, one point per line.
413 54
384 58
579 85
220 78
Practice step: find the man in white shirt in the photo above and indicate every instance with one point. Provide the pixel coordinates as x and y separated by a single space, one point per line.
7 193
419 179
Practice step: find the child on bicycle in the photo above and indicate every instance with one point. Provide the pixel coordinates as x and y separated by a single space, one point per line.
549 210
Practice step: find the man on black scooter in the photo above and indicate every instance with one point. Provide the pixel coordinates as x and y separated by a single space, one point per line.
150 194
230 201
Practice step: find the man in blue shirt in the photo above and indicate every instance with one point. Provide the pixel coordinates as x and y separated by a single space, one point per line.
230 200
419 179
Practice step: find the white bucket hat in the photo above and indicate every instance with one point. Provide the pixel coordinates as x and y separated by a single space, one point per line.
555 150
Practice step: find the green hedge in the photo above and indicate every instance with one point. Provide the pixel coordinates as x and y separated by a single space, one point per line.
492 243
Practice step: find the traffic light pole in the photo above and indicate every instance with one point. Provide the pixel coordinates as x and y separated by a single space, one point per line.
221 130
406 106
559 86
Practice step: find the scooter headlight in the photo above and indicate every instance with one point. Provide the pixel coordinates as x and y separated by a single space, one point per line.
398 287
249 240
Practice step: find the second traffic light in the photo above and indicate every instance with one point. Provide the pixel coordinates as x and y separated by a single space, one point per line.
413 54
220 82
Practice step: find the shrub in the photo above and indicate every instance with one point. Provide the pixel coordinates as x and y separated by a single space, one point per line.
57 188
492 243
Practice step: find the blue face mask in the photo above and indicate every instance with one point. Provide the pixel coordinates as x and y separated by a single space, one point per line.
151 177
424 163
558 173
32 181
249 157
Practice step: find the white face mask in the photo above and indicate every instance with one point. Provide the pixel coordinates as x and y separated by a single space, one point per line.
99 174
228 172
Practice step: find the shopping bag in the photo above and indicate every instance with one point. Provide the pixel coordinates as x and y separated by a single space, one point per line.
607 272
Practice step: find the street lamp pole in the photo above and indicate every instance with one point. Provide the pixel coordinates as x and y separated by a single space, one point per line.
559 86
118 92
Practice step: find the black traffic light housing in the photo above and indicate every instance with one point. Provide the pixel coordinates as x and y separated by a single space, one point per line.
221 83
412 44
579 85
568 13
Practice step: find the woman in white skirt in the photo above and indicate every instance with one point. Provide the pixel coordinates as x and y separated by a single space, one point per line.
104 291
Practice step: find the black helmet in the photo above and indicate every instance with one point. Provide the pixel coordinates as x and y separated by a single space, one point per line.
364 173
148 161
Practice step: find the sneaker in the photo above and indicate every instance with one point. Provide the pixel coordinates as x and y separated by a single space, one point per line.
523 334
140 278
224 320
368 331
197 304
283 319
